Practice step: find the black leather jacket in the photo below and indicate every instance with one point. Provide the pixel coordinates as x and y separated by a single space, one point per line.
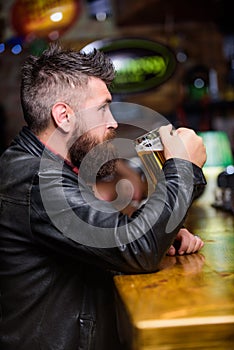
60 246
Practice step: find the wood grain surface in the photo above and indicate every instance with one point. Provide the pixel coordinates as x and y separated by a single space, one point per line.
189 302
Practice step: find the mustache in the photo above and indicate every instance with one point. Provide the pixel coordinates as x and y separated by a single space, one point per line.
110 135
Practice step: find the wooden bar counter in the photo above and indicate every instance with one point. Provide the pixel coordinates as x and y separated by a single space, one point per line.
189 302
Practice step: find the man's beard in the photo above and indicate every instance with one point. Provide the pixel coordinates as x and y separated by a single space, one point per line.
95 160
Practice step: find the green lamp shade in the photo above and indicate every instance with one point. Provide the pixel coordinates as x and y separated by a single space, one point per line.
218 148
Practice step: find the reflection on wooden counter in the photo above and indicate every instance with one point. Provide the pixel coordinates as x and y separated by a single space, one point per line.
189 302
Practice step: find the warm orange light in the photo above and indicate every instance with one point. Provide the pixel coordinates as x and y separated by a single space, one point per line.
40 18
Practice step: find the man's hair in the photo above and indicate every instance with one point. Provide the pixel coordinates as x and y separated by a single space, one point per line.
56 76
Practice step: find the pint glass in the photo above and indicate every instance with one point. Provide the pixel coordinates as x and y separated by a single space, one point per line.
150 150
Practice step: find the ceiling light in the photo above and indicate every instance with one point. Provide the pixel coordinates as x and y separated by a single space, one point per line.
56 17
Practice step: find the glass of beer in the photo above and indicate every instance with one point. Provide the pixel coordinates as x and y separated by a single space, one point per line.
150 150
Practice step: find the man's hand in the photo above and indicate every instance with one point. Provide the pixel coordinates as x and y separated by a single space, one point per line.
183 143
188 243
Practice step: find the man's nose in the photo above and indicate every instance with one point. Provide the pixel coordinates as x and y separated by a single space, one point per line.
112 123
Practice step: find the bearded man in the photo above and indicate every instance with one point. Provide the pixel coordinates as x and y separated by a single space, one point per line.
59 244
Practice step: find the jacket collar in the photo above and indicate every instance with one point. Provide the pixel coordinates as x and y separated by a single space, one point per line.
31 144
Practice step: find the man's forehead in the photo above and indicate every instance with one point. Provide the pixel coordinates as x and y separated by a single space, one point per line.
97 89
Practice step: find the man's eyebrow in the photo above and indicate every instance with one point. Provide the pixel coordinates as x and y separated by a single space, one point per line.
107 101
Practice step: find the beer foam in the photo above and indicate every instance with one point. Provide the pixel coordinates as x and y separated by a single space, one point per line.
150 141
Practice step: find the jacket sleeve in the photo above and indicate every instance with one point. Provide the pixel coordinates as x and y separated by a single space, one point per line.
67 219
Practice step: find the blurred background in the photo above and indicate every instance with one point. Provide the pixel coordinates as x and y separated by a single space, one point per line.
199 92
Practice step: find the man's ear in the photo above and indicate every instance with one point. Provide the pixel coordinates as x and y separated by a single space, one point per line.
61 113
